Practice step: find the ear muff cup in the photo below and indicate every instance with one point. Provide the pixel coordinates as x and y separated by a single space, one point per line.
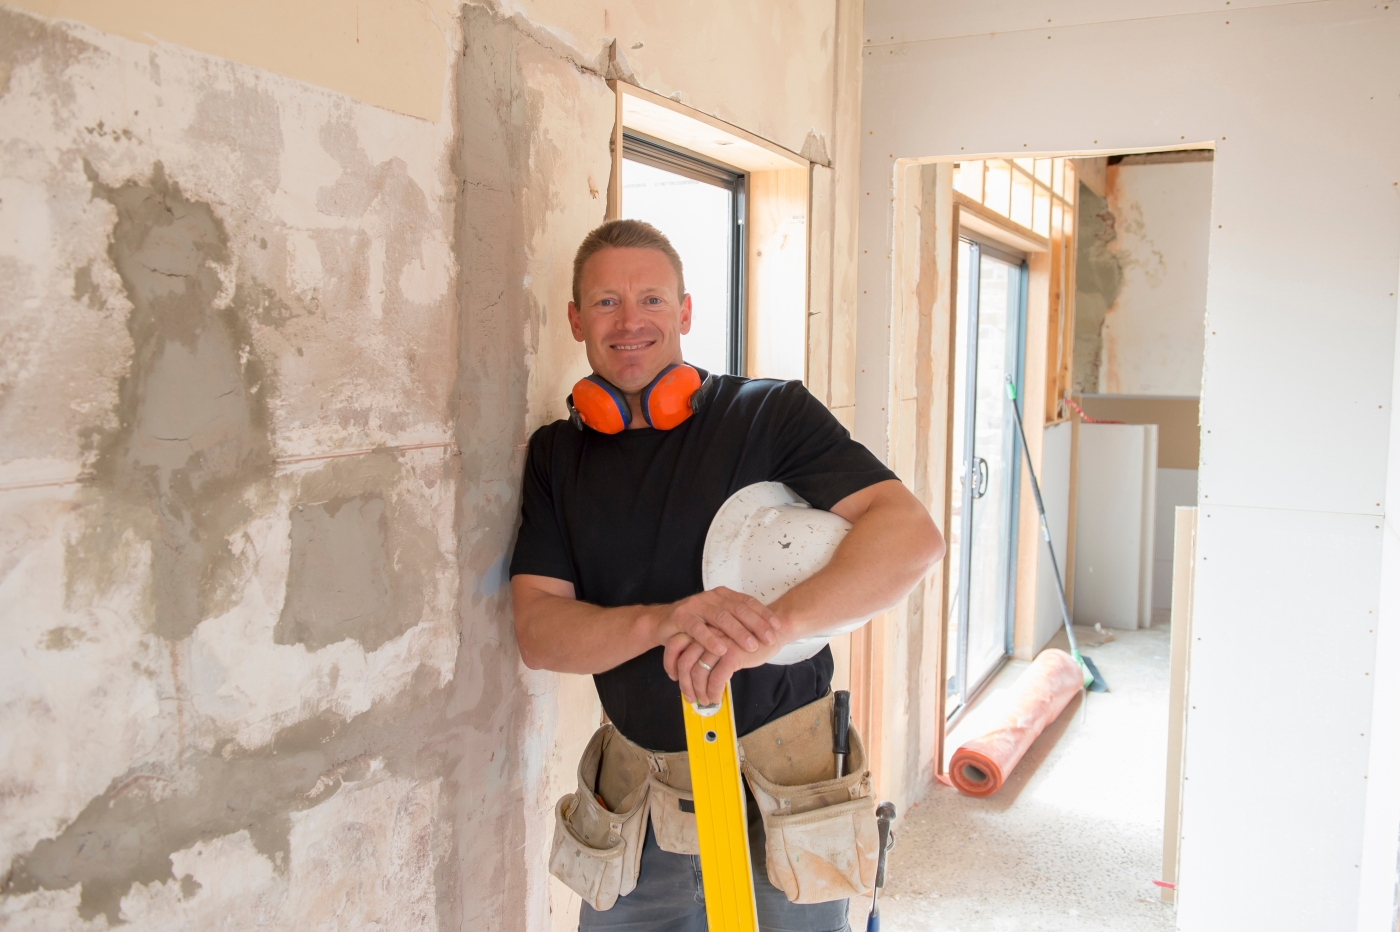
600 406
666 401
674 395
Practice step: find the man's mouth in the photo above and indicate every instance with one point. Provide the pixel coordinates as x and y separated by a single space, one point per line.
633 346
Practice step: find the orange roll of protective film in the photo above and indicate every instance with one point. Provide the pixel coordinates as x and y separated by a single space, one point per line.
981 766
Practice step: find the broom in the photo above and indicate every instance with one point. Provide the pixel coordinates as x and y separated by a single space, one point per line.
1093 680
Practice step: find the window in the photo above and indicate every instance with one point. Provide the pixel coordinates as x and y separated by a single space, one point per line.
700 207
1036 196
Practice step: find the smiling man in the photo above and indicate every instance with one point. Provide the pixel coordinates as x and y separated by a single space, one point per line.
606 572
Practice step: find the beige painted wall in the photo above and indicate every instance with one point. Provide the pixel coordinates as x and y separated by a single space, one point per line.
390 53
352 329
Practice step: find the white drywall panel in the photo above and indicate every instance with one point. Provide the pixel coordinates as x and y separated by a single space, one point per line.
1279 724
1301 276
1154 333
1114 517
901 21
1301 293
1380 855
1175 488
1054 489
1380 852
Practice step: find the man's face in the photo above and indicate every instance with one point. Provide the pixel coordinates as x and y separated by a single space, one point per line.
629 316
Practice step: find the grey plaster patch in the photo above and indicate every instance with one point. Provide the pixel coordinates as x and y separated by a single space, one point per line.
338 586
1098 281
85 289
62 638
361 565
192 439
127 834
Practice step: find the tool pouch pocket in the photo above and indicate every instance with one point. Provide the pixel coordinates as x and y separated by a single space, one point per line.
822 838
673 812
597 850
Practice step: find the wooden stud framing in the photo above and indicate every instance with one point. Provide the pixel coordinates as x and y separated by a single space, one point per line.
614 210
778 240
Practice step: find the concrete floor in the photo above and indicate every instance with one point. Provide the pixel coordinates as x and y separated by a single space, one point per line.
1073 840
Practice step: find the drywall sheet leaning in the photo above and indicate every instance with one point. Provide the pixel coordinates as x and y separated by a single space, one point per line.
1054 489
1176 488
1114 525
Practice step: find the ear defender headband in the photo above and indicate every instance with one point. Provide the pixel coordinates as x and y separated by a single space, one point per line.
674 395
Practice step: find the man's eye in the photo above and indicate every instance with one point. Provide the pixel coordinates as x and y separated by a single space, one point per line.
653 300
607 302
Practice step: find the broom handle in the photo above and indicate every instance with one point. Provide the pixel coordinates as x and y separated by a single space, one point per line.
1044 527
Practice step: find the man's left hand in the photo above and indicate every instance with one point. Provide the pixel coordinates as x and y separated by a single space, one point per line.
702 675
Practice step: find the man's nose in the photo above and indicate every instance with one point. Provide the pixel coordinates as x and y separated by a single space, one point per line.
632 317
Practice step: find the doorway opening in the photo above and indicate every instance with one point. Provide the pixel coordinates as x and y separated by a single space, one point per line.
1082 279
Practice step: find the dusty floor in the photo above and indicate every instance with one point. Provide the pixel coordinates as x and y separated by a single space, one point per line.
1072 843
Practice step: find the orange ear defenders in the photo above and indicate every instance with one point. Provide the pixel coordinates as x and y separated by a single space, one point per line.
674 395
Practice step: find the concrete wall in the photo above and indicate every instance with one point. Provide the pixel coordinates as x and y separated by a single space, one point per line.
274 342
1302 285
1154 334
1141 282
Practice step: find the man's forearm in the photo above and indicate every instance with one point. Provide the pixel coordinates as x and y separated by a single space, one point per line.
880 559
556 632
568 636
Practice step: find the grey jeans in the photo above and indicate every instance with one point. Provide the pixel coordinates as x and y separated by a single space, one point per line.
669 897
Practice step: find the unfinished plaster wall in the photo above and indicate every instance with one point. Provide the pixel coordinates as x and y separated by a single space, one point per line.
272 357
1280 89
228 574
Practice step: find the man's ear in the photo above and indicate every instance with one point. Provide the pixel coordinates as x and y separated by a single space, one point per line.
576 322
685 314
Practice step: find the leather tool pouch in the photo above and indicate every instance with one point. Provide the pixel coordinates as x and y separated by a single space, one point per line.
673 805
597 848
822 838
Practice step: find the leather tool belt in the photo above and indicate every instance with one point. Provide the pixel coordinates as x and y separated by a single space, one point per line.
821 838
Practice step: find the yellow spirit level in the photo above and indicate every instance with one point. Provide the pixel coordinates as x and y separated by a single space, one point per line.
713 745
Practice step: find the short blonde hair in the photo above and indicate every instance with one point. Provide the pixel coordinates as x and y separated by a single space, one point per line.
626 234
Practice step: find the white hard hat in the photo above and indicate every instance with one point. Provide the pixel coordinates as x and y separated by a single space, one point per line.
763 541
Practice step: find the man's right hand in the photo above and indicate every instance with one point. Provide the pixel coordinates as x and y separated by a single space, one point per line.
720 619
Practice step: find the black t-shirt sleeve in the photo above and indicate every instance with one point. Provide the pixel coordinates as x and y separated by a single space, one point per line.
540 547
814 455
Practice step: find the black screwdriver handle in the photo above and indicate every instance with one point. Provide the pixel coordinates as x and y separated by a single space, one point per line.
841 743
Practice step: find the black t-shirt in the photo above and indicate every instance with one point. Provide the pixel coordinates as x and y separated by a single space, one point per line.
624 517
